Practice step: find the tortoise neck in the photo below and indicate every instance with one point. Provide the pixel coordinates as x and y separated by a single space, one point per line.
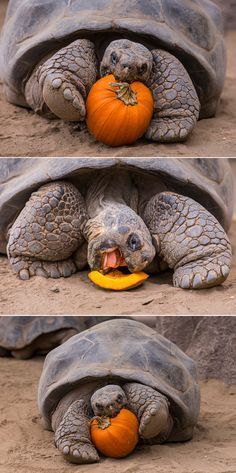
111 189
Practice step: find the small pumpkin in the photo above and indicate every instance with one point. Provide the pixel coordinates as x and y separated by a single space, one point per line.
116 280
118 113
115 437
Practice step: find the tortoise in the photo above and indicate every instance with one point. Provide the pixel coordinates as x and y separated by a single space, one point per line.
23 336
58 215
113 365
53 51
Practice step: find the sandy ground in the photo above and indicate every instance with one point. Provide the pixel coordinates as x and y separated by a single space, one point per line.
26 448
22 133
77 295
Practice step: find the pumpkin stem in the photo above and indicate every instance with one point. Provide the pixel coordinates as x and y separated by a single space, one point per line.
125 93
103 422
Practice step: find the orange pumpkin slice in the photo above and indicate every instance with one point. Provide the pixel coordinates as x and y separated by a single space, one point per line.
118 113
116 280
115 437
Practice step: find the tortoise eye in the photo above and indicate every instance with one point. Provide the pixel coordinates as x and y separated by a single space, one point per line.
143 68
134 242
119 398
99 406
114 58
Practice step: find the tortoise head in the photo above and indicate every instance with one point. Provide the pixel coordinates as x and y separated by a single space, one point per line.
118 237
108 401
127 61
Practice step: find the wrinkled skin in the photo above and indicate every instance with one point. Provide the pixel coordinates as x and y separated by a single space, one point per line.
61 83
72 417
127 61
49 236
118 227
108 401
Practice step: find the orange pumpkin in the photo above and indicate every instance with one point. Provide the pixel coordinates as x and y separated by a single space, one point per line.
118 113
117 436
116 280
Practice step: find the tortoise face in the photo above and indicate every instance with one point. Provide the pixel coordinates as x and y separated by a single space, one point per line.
127 61
119 237
108 401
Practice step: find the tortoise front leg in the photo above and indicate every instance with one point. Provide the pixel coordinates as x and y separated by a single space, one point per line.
72 436
176 104
189 239
152 411
63 81
47 232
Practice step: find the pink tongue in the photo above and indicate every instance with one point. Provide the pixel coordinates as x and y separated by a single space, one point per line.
110 260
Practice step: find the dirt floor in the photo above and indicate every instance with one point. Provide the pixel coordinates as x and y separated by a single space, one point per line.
22 133
26 448
77 295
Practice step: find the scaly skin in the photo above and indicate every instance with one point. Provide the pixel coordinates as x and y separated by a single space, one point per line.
119 226
176 104
152 411
72 417
63 81
72 436
47 232
108 400
112 202
61 84
189 239
150 407
127 61
47 238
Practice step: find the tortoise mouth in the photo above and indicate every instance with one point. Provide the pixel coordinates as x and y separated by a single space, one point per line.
111 259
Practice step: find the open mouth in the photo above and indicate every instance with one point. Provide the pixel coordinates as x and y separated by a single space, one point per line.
111 259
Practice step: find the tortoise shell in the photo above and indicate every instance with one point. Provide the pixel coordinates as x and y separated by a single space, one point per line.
209 181
189 29
17 332
122 351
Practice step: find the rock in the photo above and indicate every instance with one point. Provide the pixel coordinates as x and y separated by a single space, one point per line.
210 341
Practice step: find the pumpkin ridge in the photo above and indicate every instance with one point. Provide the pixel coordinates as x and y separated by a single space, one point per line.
102 105
124 113
111 120
120 114
108 118
120 437
111 117
113 437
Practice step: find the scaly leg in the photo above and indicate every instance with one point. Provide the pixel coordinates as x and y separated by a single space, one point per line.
151 409
62 82
190 240
47 232
176 104
72 437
